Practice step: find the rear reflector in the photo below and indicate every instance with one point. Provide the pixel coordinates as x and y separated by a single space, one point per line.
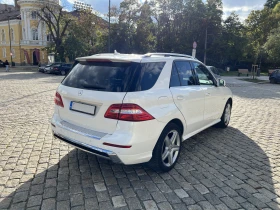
58 100
116 145
127 112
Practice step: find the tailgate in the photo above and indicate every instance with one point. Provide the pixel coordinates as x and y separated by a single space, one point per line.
88 108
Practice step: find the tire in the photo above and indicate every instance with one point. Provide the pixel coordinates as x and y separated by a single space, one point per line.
272 81
63 72
170 134
225 119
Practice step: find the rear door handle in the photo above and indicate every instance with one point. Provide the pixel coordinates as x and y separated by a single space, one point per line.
180 97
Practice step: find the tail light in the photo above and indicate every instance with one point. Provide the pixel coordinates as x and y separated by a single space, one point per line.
127 112
58 100
55 68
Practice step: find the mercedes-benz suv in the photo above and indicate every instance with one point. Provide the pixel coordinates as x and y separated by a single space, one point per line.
138 108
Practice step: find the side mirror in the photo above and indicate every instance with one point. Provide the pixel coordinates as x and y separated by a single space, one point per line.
221 82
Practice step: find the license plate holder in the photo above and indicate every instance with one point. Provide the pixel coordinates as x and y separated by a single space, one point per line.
82 108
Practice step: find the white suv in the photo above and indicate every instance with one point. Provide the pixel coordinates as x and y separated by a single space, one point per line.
138 108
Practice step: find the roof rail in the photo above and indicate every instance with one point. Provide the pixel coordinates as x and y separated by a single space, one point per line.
169 55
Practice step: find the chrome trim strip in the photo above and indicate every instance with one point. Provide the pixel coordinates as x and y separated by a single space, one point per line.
85 145
88 133
112 156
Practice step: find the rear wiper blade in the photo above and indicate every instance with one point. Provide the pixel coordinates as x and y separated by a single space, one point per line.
94 87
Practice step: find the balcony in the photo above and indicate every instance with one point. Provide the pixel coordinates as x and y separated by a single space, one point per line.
34 42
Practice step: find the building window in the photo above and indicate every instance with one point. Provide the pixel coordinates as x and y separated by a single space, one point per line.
23 34
14 53
49 37
3 35
12 35
34 34
34 15
4 52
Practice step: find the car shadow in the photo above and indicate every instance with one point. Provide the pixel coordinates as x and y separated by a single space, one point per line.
225 167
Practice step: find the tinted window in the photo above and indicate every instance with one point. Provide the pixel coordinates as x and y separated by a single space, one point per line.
204 76
185 73
174 78
114 77
66 65
55 64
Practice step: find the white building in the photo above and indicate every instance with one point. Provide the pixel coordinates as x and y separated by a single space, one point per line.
79 5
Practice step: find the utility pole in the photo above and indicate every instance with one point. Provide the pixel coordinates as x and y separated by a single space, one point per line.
10 41
109 39
205 45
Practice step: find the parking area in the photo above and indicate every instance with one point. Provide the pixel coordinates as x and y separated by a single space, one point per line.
234 168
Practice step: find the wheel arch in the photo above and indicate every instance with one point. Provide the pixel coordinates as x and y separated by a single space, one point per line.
177 122
230 101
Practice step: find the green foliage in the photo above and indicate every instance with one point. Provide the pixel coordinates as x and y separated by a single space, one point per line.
272 46
145 31
85 36
172 26
271 3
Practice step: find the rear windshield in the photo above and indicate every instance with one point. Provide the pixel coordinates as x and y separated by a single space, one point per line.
113 76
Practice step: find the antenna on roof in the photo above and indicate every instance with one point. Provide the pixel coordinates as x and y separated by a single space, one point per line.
115 52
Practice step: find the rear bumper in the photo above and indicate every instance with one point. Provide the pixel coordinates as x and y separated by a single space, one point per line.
89 148
92 141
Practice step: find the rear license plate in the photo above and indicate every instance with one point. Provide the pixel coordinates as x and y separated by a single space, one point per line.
83 108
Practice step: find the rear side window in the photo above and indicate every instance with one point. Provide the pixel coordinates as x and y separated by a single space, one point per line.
114 76
174 79
185 73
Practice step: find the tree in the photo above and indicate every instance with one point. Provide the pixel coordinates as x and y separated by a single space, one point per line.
271 3
233 41
272 46
144 37
85 34
258 26
129 13
168 19
57 22
213 27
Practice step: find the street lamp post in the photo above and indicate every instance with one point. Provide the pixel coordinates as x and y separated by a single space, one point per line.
109 36
10 41
205 45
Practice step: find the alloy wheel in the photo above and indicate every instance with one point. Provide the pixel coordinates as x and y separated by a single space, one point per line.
170 148
227 114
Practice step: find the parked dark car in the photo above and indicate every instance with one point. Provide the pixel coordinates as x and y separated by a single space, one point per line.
61 69
2 64
48 68
275 76
42 68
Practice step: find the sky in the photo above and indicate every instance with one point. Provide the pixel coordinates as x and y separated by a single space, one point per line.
241 7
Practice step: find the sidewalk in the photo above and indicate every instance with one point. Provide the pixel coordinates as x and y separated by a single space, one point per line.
20 68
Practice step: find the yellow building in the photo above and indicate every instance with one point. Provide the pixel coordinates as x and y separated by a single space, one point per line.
23 36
